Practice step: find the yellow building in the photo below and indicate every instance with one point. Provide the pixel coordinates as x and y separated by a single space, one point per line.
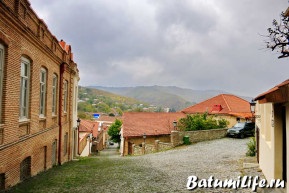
223 106
272 112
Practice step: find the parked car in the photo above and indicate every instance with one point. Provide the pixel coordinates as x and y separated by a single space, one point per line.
242 129
111 143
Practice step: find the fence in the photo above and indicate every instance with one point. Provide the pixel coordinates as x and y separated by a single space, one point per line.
177 139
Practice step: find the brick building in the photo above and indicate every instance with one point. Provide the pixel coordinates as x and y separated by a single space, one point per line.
38 91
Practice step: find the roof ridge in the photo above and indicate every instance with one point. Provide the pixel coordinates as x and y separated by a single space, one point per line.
226 103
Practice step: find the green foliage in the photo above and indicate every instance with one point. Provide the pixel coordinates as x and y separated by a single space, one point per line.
83 115
201 122
186 140
85 107
113 131
93 100
251 147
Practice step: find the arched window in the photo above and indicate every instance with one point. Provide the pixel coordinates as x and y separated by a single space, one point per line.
54 94
65 93
24 88
43 74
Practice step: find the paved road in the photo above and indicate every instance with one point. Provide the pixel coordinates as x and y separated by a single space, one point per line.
171 169
161 172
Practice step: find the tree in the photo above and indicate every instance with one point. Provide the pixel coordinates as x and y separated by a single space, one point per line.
279 36
113 131
201 122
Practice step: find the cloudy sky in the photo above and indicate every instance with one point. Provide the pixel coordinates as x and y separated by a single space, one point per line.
197 44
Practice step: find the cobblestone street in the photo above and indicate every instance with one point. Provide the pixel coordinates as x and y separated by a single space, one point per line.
166 171
219 158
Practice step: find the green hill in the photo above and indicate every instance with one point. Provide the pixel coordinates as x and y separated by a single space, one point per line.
99 101
166 96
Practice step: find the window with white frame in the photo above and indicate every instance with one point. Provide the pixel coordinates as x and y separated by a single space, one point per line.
65 96
42 98
24 88
54 94
2 51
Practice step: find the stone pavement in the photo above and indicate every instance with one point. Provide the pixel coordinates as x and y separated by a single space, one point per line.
251 168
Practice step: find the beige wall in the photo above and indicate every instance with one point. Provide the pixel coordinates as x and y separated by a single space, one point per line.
266 150
271 140
232 119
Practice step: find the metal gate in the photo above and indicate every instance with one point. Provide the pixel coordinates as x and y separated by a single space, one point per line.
25 168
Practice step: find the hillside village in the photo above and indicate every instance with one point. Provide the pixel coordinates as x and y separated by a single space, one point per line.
48 120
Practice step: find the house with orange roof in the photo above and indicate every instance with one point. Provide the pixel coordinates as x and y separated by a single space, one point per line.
92 134
139 127
224 106
272 118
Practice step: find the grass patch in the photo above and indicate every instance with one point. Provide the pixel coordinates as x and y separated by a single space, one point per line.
93 174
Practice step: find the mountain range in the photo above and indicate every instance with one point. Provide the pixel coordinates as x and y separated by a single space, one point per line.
166 96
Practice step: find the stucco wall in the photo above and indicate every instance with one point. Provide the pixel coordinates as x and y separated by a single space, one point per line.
266 144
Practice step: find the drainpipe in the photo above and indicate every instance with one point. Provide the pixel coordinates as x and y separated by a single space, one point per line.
62 67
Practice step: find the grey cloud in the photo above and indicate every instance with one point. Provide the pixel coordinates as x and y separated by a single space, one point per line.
190 43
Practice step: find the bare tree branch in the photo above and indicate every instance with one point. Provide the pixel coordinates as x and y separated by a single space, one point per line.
278 38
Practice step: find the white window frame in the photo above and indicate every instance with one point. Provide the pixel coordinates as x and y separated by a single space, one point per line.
54 94
65 94
24 88
2 58
42 97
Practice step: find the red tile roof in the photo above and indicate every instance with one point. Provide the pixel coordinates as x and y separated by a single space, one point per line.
225 104
138 123
88 126
107 118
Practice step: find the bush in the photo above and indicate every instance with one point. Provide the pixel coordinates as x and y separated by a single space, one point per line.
186 140
251 147
201 122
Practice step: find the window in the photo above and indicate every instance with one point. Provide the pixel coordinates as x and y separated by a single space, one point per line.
54 94
24 88
42 92
1 76
65 96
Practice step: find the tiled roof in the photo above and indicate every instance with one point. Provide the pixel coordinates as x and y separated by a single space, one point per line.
107 118
222 104
275 88
88 126
138 123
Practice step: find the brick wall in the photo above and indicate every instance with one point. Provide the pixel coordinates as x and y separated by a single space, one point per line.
23 34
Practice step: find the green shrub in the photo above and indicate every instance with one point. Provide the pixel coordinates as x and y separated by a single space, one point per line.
201 122
251 147
186 140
